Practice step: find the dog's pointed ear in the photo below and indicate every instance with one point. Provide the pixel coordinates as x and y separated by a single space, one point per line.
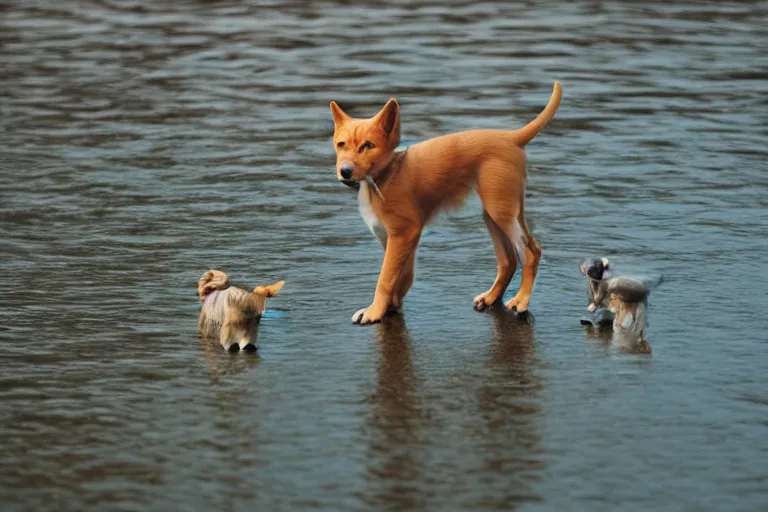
339 116
389 116
270 290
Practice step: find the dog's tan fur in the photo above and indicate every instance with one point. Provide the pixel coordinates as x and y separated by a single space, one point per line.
231 313
415 185
630 318
627 298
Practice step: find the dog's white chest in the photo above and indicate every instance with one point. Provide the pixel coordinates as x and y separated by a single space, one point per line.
370 218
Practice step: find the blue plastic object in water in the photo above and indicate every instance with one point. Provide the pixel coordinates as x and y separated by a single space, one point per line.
598 318
274 313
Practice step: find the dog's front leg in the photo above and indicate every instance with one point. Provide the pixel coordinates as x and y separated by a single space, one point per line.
400 247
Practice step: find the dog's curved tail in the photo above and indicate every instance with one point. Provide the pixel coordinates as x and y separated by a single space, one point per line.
210 281
525 134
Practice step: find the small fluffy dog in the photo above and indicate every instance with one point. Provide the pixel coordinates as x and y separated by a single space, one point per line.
625 297
230 312
596 271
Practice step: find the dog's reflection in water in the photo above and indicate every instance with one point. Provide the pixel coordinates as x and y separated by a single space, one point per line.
631 344
621 341
512 337
220 363
506 429
395 423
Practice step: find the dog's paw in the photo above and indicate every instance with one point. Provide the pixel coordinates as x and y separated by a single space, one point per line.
519 303
365 316
483 302
358 316
592 306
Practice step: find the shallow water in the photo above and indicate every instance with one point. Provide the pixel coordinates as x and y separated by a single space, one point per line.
145 142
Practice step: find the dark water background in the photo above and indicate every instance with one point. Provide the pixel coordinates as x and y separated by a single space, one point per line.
143 142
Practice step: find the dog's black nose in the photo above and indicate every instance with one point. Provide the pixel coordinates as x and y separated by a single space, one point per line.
346 172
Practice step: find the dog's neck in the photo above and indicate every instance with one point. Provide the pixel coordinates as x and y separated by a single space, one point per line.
380 177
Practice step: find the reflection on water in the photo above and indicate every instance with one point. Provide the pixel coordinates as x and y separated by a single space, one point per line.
221 363
631 344
605 336
396 473
498 409
510 406
144 142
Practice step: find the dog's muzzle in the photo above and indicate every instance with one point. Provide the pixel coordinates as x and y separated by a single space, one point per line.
351 184
346 170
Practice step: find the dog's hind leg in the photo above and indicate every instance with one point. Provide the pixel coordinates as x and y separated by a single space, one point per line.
225 335
506 265
495 188
530 266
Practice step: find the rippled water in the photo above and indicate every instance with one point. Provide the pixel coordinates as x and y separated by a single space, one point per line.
145 142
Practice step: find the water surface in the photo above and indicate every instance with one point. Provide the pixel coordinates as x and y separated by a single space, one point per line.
144 142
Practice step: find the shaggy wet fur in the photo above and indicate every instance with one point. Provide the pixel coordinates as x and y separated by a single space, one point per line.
626 297
596 271
630 318
229 312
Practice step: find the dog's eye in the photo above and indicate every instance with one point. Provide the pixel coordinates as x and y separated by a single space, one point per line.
366 146
340 144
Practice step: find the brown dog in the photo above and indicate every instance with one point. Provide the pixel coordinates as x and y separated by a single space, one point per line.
401 191
229 312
